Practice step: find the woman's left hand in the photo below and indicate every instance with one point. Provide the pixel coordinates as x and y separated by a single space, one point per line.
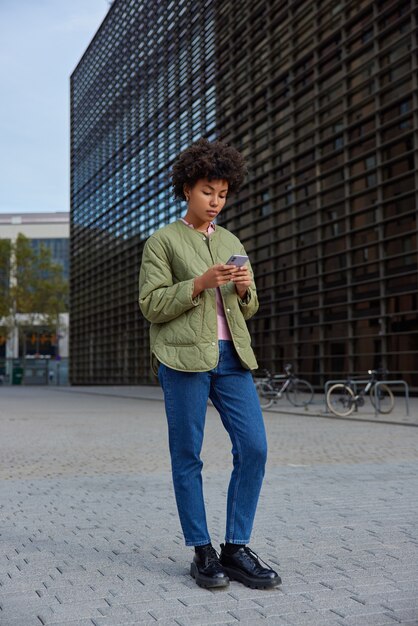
242 280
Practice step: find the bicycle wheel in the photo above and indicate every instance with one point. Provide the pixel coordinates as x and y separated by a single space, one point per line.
299 392
385 397
340 400
265 394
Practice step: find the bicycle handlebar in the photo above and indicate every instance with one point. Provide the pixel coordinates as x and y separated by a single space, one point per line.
380 370
265 373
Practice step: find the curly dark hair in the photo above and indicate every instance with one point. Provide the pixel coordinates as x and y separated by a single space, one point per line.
211 160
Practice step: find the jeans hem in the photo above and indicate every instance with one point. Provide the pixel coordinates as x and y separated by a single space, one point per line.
237 541
197 543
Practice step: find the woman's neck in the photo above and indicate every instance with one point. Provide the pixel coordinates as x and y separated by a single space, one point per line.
202 228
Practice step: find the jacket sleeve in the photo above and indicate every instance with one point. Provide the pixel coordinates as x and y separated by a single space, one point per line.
249 304
159 299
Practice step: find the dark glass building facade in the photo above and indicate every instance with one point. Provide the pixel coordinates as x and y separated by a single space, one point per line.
322 98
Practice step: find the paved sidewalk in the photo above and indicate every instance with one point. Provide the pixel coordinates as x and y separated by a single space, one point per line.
89 534
399 415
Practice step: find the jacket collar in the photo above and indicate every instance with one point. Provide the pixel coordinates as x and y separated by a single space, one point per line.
211 228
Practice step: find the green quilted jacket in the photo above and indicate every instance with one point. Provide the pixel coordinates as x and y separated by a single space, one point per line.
183 333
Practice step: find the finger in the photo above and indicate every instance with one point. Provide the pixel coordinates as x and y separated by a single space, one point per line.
227 274
241 280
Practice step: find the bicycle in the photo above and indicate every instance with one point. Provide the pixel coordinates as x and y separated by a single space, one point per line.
342 400
272 387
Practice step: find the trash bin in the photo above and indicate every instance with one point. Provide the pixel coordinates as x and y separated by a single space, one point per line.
17 375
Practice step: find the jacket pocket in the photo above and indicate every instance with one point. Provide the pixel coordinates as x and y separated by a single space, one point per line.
185 330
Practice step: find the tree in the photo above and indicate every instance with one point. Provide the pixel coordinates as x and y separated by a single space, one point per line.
37 291
5 259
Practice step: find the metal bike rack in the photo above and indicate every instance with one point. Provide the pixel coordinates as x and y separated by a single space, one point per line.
393 383
353 383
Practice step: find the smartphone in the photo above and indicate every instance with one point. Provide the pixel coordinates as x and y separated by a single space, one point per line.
237 259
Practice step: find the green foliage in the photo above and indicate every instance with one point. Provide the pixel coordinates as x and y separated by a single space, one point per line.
36 287
5 296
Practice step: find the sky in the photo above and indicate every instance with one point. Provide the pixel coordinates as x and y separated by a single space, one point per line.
41 42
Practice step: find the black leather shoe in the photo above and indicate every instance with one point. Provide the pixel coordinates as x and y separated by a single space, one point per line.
207 570
244 565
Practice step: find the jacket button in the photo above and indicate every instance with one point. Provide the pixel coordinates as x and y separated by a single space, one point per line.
228 310
213 343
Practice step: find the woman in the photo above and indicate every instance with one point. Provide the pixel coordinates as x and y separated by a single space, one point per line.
197 304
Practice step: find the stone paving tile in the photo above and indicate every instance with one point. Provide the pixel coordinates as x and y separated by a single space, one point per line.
376 619
233 605
26 614
80 610
359 620
322 618
125 621
251 615
227 620
75 622
298 605
274 621
397 605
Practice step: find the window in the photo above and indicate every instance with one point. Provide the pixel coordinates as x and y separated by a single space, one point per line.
363 165
396 91
59 249
397 149
394 131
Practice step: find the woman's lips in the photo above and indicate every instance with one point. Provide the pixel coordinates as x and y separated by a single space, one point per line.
212 213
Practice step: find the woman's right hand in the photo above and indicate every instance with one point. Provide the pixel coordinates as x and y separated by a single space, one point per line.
215 276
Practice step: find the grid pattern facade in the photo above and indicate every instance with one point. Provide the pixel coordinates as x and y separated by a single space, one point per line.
322 99
142 92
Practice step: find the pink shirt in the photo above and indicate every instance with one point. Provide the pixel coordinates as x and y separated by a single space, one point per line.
223 330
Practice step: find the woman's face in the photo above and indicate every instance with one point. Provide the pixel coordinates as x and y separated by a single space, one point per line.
206 199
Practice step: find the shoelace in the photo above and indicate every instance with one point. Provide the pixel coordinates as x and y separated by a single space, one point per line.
253 555
211 555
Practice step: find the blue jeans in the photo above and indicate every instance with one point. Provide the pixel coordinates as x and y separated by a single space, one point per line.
231 389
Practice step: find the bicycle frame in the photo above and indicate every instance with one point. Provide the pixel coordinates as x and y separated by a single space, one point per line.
280 392
271 388
367 387
370 383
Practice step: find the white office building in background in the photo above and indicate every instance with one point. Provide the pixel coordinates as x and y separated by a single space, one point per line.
53 231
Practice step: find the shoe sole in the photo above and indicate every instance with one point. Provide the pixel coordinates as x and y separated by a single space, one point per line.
251 582
205 581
